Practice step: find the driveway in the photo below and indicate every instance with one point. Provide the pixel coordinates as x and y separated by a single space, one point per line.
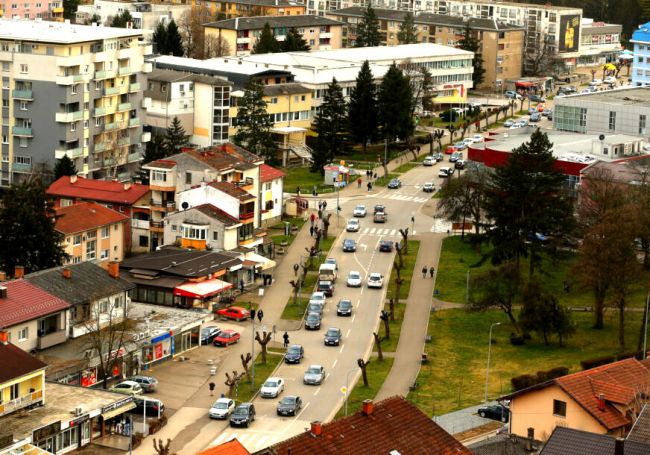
463 420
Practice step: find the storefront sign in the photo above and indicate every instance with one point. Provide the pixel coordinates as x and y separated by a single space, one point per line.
159 338
158 351
89 377
116 405
115 353
78 420
141 336
46 431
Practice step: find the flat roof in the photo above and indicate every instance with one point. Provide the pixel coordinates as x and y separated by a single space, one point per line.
60 32
219 65
258 22
625 95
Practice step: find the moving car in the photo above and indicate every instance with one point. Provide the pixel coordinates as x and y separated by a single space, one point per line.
535 117
272 388
379 208
376 280
127 388
380 217
428 187
222 408
494 412
236 313
333 336
532 110
512 95
326 287
386 246
349 245
460 164
455 157
289 406
522 123
450 149
148 383
312 321
394 184
438 156
352 225
477 138
243 415
148 407
226 337
508 123
429 161
294 354
344 307
468 141
445 172
208 334
354 279
360 211
314 375
547 112
567 90
459 146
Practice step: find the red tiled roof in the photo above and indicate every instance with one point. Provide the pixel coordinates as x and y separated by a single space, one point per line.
215 212
26 302
84 216
232 190
395 424
162 164
233 447
16 363
97 190
269 173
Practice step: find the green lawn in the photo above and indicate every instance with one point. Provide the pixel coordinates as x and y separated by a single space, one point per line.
377 372
303 178
276 232
407 166
455 376
245 390
407 272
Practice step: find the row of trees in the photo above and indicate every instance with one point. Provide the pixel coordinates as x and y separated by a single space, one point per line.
268 44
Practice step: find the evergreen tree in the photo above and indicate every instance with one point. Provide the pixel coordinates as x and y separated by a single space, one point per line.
254 123
329 124
426 90
175 137
70 9
266 43
64 166
368 29
122 20
362 109
543 314
27 231
294 42
470 43
174 40
155 149
395 105
160 39
407 33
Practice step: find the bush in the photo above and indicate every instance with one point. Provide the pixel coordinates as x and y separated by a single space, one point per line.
628 355
524 381
596 362
556 373
529 380
516 340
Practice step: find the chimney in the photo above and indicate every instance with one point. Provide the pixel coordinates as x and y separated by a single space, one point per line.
67 274
316 428
73 179
127 186
114 269
4 337
619 446
368 407
530 439
601 402
3 276
3 292
19 271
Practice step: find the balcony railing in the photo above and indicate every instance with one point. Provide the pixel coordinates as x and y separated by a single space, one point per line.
134 122
20 167
133 157
124 70
22 131
71 153
248 181
134 87
21 402
246 215
105 74
67 117
52 339
124 141
22 94
108 91
114 126
100 147
124 107
156 225
140 224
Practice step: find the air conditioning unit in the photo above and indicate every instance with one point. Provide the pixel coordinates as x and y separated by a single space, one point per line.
78 412
88 354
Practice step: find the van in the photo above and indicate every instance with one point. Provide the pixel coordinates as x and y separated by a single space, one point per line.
327 272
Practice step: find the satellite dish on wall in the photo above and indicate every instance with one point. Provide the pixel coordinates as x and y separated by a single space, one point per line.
601 137
185 205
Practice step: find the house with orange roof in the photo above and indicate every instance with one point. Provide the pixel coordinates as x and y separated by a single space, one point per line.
233 447
271 192
604 400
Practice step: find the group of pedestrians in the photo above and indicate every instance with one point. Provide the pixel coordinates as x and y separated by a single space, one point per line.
431 270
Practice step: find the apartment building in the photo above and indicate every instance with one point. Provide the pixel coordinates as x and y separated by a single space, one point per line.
22 379
244 8
242 33
31 9
501 43
71 90
600 43
641 63
145 15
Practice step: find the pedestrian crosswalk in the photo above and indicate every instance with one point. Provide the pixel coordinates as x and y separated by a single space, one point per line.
403 197
441 226
380 232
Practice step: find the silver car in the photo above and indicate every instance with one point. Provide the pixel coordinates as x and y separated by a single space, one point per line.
148 383
314 375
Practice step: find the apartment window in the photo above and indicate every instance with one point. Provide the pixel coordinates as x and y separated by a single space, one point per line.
23 105
641 124
91 253
77 240
86 124
76 260
161 176
24 69
559 408
188 178
14 5
612 121
274 100
267 187
73 126
23 335
163 88
14 389
91 234
74 89
215 236
104 255
22 142
5 66
27 160
5 139
105 232
5 102
194 232
98 85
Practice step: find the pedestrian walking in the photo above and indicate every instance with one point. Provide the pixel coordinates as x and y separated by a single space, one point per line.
324 205
260 315
212 385
424 271
369 185
297 191
311 231
312 218
359 183
241 285
296 267
413 220
374 176
432 271
285 337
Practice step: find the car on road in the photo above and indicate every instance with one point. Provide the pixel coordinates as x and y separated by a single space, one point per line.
289 406
379 208
314 375
326 287
394 184
532 110
332 261
508 123
460 146
295 354
149 407
222 408
428 187
376 280
547 112
380 217
317 297
610 80
272 388
477 138
354 279
445 172
450 149
534 118
243 415
438 156
494 412
512 95
468 141
236 313
333 336
360 211
352 225
595 83
455 157
429 161
226 337
313 321
349 246
208 334
148 383
522 123
315 307
344 307
386 246
460 164
567 90
127 388
536 98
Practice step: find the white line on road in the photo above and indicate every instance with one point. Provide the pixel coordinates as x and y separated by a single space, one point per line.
358 303
341 350
316 392
348 333
372 231
334 364
354 316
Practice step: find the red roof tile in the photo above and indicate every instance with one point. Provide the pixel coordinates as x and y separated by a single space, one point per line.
269 173
395 424
16 363
233 447
97 190
232 190
84 216
215 212
26 302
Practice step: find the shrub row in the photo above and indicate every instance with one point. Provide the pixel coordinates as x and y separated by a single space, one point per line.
528 380
598 361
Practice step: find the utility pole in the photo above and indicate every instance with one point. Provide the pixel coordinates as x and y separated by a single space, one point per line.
487 371
253 350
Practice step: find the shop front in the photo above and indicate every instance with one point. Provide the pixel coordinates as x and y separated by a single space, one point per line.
113 419
159 349
64 436
187 338
201 294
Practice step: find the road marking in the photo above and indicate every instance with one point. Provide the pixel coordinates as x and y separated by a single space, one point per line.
316 392
372 231
353 316
358 303
393 232
334 364
348 333
341 350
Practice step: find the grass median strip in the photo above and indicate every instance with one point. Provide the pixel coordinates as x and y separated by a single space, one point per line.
377 372
246 391
407 272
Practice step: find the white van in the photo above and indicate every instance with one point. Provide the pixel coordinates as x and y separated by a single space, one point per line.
327 272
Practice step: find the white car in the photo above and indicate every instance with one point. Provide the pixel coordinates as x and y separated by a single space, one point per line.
429 161
478 138
610 80
376 280
317 297
428 187
595 82
352 225
468 141
445 172
360 211
354 279
272 388
222 408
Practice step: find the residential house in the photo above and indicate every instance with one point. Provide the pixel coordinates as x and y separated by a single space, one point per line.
92 233
232 447
272 191
144 15
641 65
97 298
567 440
243 8
603 400
130 199
241 34
30 317
22 379
32 9
390 426
202 227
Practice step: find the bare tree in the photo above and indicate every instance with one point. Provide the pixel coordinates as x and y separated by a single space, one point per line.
191 29
326 224
378 340
363 365
463 197
245 363
496 288
232 382
216 46
452 130
385 318
437 136
263 341
160 448
541 60
405 237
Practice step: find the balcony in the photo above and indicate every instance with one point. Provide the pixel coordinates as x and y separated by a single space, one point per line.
67 117
156 226
70 153
123 70
21 402
52 339
23 95
134 87
108 162
114 126
100 147
133 157
105 74
140 224
247 182
133 122
246 216
124 107
108 91
20 167
124 141
22 131
167 206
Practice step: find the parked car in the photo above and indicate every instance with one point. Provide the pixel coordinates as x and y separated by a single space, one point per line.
460 146
394 184
376 280
534 118
236 313
344 307
450 149
326 287
289 406
567 90
379 208
380 217
349 246
317 297
513 95
610 80
428 187
459 164
208 334
148 383
333 336
243 415
445 172
148 407
360 211
429 161
312 321
314 375
127 388
438 157
352 225
508 123
332 261
494 412
468 141
222 408
536 98
272 387
295 354
386 246
315 308
595 83
547 112
477 138
522 123
532 110
226 337
455 157
354 279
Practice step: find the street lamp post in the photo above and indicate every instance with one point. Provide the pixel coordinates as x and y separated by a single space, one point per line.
253 354
487 371
347 389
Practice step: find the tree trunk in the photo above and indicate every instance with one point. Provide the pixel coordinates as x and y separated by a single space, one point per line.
363 365
462 229
513 321
599 308
621 324
386 329
639 344
378 340
545 335
391 307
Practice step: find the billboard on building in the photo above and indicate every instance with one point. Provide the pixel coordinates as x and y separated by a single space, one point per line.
569 33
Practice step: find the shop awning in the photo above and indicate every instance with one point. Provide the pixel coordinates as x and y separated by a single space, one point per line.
119 410
526 84
262 262
202 289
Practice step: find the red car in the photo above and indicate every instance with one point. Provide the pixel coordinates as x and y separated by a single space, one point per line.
450 149
226 337
234 312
